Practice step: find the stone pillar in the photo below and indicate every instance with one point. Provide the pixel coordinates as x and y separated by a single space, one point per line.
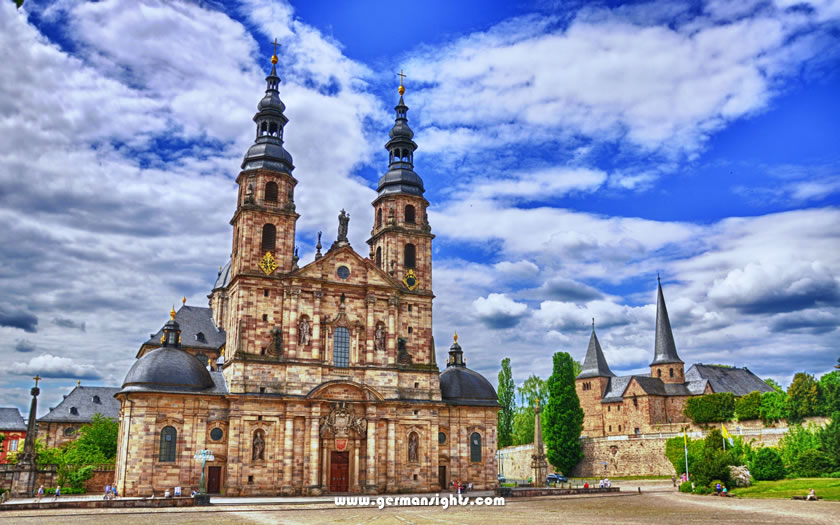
370 329
26 471
434 456
370 458
314 446
293 319
393 320
288 444
355 476
539 465
298 456
316 325
325 469
391 474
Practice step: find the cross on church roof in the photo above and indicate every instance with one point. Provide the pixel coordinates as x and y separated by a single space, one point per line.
36 378
274 55
402 76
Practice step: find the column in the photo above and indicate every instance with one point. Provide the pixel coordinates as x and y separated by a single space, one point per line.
316 325
434 455
291 342
391 477
355 479
325 482
288 443
393 307
314 445
298 455
370 328
370 459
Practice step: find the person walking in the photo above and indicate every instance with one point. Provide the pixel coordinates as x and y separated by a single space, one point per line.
58 492
40 493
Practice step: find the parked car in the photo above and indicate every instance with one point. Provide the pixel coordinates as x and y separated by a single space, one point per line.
556 478
501 479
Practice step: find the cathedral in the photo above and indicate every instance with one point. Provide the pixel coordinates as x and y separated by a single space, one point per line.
304 379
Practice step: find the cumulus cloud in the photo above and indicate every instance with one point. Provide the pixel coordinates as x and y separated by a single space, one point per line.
24 346
499 311
564 289
49 365
16 318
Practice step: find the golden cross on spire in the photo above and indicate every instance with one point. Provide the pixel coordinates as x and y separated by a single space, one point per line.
274 56
36 378
402 76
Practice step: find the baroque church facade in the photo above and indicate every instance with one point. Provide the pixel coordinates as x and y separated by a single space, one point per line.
645 403
302 380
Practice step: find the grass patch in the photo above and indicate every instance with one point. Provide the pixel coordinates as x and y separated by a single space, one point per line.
826 488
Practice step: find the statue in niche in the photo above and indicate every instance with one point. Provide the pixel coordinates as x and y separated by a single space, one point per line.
276 345
258 449
412 447
343 220
304 332
379 338
249 194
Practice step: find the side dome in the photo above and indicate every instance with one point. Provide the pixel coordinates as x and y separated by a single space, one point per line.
167 369
462 386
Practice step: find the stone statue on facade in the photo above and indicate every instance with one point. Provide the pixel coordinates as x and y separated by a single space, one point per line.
304 332
343 221
379 338
276 345
412 447
341 420
249 193
258 449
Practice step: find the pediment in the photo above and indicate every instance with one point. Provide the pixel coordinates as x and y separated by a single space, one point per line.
360 270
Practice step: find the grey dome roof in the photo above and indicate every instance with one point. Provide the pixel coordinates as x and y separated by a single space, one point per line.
167 369
271 101
460 385
268 153
400 180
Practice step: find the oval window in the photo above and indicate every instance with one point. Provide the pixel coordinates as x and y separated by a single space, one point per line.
69 431
441 438
216 434
343 272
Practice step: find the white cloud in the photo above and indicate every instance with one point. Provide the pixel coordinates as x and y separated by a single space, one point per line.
499 311
52 366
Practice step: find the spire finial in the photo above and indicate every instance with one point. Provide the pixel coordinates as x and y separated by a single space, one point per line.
456 337
172 313
401 89
274 56
36 378
658 280
593 324
78 382
184 300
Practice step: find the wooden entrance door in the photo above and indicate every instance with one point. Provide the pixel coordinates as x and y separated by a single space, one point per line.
214 479
339 467
442 477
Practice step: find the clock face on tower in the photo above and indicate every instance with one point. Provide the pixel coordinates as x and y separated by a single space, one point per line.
410 280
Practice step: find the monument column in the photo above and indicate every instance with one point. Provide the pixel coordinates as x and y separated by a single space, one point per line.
539 465
26 471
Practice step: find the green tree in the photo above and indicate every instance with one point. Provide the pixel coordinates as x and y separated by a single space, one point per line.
563 421
797 440
767 465
830 441
829 393
523 425
709 408
773 407
675 452
748 406
578 367
532 388
507 400
96 444
776 386
803 397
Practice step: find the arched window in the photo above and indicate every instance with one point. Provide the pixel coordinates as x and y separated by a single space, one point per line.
379 257
409 259
269 237
409 214
271 192
475 447
168 437
272 129
659 373
671 370
341 347
263 128
379 218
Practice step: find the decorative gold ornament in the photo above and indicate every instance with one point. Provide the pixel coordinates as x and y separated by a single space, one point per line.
401 89
268 264
410 280
172 313
162 338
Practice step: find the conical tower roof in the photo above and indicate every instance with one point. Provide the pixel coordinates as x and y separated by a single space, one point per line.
595 364
665 350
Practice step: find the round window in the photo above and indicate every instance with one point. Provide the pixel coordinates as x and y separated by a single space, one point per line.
343 272
441 438
69 431
216 434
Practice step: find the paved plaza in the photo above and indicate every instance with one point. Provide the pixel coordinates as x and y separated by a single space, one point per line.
660 507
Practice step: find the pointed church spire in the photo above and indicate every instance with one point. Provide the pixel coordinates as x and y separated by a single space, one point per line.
595 364
665 350
401 177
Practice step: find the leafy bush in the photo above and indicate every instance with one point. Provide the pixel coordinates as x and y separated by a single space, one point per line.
703 490
675 452
810 464
710 407
685 486
748 406
830 440
797 440
829 393
767 464
831 475
773 407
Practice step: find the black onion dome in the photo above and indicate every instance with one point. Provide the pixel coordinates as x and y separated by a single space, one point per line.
167 369
462 386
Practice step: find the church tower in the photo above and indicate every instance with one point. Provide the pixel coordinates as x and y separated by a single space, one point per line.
264 221
401 238
591 384
666 364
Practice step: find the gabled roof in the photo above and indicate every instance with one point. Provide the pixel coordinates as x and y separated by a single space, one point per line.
595 364
11 420
665 350
652 386
615 389
739 381
367 272
87 401
197 329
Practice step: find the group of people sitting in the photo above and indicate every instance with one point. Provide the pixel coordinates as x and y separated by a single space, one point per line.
110 492
460 486
720 490
604 484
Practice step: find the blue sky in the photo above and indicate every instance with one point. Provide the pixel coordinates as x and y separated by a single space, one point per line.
570 151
